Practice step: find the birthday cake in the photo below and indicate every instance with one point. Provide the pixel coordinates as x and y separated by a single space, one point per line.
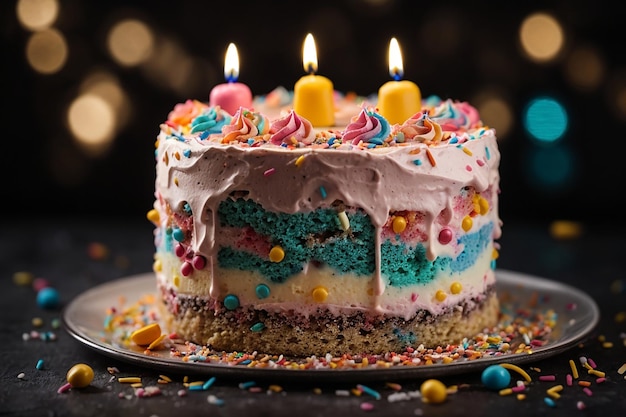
276 236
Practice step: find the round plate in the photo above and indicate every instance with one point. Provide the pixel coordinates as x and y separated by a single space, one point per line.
577 313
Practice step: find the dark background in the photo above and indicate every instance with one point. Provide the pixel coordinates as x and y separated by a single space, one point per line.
452 49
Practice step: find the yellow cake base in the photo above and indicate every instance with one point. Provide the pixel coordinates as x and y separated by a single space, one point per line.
286 334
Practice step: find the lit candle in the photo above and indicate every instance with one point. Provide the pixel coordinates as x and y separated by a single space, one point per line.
398 100
313 94
231 95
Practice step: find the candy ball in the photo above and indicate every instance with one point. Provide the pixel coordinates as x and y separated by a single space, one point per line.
48 298
433 391
80 375
495 377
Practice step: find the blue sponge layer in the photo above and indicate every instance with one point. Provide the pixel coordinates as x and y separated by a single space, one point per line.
318 237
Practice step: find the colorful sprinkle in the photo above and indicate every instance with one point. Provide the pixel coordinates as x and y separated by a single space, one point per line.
517 369
300 160
549 401
64 388
431 158
369 391
344 221
129 380
257 327
574 369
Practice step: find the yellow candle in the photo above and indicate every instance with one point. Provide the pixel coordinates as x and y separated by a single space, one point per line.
313 94
398 100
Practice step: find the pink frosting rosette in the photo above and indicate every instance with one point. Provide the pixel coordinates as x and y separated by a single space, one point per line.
421 128
292 128
183 113
454 116
367 127
245 124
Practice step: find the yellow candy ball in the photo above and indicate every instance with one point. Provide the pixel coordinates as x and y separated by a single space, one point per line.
80 375
484 205
277 254
320 294
440 295
433 391
467 223
399 224
456 287
153 216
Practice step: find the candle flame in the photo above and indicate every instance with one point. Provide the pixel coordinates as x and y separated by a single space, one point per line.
231 64
309 55
396 69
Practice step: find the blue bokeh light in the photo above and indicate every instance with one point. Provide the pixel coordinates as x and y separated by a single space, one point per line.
545 119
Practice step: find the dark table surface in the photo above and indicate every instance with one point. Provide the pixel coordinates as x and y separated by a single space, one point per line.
59 251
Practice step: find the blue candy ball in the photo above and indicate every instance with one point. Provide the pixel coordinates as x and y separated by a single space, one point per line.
48 298
496 377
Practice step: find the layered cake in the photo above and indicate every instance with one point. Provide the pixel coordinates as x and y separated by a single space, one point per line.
279 237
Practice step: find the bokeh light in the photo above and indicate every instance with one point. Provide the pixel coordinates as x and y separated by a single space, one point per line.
584 68
105 85
173 68
615 90
130 42
545 119
46 51
551 168
91 119
37 14
496 112
541 37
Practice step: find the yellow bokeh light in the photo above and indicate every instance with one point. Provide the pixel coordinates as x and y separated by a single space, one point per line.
541 37
585 68
37 14
616 94
106 86
496 112
130 42
92 123
184 78
46 51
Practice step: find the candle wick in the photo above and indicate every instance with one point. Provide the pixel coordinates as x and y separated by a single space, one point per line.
230 77
396 74
311 68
